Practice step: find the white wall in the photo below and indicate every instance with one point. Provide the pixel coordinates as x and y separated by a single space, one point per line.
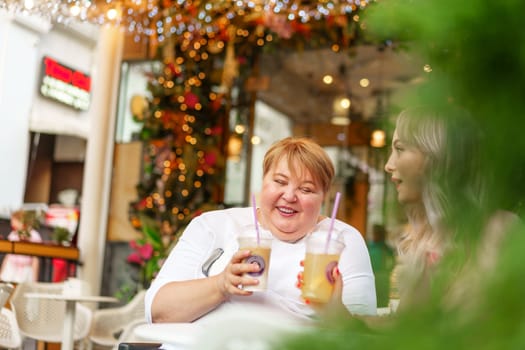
95 51
23 43
74 47
18 59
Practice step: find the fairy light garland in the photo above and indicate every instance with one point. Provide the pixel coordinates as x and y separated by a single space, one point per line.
165 18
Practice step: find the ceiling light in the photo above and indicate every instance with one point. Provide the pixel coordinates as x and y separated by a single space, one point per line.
328 79
341 105
345 103
340 110
378 138
340 120
364 82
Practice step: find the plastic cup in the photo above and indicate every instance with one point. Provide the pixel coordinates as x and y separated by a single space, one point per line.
260 254
320 259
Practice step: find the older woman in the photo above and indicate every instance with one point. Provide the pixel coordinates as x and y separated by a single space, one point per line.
297 175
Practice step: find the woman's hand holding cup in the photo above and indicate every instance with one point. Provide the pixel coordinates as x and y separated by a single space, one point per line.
335 300
231 280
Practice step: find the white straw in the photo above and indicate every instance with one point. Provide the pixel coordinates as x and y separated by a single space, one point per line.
254 207
332 219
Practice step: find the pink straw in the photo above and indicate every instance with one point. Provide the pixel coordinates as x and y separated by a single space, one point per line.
254 207
332 219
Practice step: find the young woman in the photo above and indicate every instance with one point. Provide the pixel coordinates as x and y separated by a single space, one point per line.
437 169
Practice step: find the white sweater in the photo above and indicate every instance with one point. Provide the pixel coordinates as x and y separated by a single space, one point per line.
220 229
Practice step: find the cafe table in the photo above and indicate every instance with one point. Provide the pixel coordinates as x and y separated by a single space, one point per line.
247 326
173 336
71 299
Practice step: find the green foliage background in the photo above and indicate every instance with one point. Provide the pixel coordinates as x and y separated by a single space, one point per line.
476 49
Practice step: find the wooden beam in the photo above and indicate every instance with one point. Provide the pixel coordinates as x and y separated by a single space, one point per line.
326 134
45 250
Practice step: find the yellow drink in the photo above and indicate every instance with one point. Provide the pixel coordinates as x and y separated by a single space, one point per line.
318 283
260 255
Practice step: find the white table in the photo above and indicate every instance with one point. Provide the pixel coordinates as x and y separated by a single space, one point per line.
69 317
252 326
174 336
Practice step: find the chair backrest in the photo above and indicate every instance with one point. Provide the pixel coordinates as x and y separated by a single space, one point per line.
6 289
43 319
135 307
108 323
9 333
128 334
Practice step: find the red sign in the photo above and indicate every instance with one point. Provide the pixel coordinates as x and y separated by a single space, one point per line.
65 84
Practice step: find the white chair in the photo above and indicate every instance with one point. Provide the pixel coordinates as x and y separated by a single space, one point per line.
6 289
128 334
9 332
111 326
43 319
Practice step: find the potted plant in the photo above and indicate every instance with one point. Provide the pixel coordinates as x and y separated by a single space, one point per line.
61 235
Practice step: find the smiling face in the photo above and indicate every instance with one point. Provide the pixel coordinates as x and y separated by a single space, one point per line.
290 201
406 164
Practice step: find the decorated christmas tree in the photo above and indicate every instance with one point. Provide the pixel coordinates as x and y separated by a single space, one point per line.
182 165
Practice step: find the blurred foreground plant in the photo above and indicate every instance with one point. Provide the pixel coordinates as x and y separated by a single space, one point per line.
475 58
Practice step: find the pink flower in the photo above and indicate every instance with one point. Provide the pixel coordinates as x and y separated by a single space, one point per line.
141 254
133 245
134 258
146 251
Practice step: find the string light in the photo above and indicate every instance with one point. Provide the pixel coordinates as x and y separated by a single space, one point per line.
175 17
364 82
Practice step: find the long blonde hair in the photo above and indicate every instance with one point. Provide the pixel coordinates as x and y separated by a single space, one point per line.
449 139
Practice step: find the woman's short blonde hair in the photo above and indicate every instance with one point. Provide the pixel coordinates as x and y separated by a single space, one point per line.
302 154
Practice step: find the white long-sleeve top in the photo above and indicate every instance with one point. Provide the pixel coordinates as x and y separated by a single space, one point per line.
220 229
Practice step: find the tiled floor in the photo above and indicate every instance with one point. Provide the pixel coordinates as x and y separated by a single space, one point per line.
29 344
